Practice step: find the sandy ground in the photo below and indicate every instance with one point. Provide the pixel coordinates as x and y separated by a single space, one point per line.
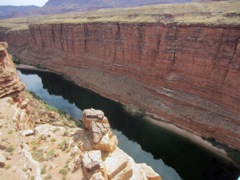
190 136
23 66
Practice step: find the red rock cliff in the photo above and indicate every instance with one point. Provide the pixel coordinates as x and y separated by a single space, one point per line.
10 84
187 75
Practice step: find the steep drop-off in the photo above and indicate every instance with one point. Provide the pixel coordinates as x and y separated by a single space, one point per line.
37 135
188 75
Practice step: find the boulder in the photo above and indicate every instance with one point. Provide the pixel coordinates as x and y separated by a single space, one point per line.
90 115
99 130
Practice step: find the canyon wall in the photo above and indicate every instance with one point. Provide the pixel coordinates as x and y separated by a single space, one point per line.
10 84
188 75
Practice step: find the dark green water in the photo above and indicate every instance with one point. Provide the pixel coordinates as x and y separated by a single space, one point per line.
172 156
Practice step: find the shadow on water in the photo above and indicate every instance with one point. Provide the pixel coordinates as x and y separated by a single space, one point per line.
170 155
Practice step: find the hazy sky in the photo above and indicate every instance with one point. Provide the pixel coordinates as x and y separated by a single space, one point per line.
22 2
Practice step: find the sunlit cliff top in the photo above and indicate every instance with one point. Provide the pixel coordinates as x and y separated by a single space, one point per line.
213 13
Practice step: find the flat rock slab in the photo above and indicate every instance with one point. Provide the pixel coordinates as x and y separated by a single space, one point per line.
116 162
28 132
46 128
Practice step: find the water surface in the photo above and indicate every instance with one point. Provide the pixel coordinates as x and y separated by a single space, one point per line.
171 155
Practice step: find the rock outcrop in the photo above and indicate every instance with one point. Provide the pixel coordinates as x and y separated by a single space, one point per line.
60 149
106 160
185 74
42 143
102 137
10 84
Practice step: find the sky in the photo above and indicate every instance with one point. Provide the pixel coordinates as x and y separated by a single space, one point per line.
22 2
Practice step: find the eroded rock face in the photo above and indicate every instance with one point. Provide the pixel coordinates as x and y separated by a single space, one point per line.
101 136
12 87
106 160
187 75
92 150
10 84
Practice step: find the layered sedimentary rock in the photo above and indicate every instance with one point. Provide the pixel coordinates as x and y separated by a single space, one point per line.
188 75
103 159
26 130
10 84
12 87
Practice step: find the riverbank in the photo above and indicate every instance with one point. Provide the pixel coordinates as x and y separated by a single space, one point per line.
27 67
171 127
192 137
54 134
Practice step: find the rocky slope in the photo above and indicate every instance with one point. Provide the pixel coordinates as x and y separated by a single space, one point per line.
39 143
188 75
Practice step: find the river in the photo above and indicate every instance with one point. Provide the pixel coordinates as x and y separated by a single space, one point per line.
169 154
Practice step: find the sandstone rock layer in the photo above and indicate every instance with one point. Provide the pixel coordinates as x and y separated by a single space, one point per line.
86 153
104 160
188 75
10 84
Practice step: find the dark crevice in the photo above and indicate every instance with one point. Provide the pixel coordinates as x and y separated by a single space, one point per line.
118 34
235 49
61 36
220 43
234 52
175 44
140 42
218 49
42 41
85 36
53 34
32 32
